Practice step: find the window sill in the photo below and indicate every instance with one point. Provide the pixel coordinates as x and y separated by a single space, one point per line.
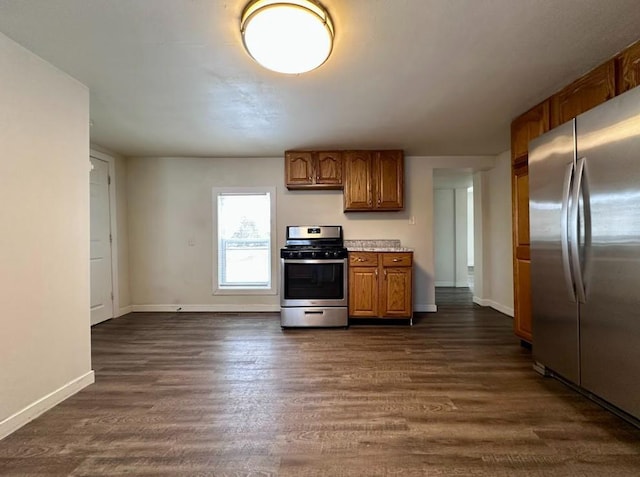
245 291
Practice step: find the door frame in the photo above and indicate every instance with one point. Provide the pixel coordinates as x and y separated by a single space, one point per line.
113 226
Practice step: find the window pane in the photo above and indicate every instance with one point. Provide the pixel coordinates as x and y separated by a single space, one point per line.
244 240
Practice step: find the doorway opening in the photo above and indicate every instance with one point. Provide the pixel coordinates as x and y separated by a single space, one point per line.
453 235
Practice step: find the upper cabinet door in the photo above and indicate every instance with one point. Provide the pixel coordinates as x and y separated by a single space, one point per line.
589 91
358 174
628 68
298 168
329 168
390 180
526 127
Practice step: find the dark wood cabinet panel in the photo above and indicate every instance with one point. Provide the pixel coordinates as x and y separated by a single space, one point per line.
363 292
329 168
358 180
380 285
628 69
594 88
313 170
521 251
526 127
373 180
390 180
520 190
298 168
395 297
522 319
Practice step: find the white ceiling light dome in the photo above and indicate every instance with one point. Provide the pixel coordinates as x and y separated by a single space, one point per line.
287 36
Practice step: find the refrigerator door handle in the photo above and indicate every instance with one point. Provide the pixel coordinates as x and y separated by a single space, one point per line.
574 229
564 230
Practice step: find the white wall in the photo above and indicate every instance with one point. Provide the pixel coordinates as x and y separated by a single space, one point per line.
169 203
493 249
470 232
460 240
500 234
44 244
444 237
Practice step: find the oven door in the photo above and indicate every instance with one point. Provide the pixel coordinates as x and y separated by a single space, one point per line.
313 282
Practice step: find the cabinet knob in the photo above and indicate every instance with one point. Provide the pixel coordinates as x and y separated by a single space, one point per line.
385 274
359 259
376 273
397 260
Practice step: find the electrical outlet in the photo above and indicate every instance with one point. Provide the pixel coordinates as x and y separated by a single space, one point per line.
412 220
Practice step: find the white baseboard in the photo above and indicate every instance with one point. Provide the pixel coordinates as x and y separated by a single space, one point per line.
501 308
207 308
425 308
123 311
35 409
495 305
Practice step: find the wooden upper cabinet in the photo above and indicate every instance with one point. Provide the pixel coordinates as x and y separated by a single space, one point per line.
313 170
329 168
298 168
628 69
358 177
390 180
592 89
373 180
526 127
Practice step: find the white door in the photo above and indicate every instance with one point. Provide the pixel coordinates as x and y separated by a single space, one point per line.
101 285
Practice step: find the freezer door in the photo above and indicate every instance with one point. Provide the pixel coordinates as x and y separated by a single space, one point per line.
609 140
554 306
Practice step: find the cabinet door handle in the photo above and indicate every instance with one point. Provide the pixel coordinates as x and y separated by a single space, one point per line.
376 273
385 274
359 259
397 260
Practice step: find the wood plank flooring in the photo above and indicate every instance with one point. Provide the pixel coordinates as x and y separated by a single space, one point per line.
234 395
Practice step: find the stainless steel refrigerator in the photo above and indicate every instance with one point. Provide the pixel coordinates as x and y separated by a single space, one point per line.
584 189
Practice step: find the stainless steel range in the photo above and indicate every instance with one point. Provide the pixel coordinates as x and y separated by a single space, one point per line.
314 277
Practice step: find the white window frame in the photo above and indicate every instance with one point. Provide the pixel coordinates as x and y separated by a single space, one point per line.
273 289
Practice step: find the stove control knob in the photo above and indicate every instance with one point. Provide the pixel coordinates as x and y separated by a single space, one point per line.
336 254
299 254
327 254
313 254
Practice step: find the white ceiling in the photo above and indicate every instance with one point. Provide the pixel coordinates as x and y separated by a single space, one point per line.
433 77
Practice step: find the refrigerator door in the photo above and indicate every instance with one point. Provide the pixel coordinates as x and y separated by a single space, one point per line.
609 140
554 305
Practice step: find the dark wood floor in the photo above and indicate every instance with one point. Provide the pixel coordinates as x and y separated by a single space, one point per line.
234 395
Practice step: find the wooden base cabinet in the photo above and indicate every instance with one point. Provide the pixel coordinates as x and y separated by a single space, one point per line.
380 285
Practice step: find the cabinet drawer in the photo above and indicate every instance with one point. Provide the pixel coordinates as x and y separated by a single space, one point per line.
392 259
363 259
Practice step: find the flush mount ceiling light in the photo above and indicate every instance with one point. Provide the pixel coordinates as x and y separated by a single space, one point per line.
287 36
